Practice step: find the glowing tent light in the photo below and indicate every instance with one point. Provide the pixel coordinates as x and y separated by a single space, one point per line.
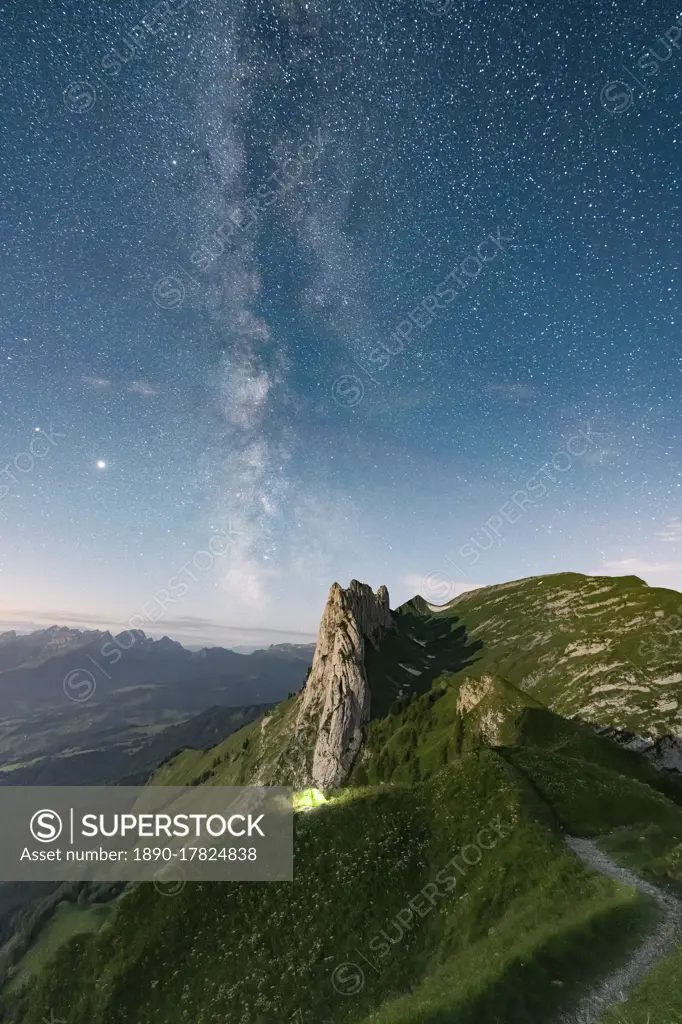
307 799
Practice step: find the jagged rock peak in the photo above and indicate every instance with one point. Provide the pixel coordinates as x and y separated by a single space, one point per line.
336 698
371 611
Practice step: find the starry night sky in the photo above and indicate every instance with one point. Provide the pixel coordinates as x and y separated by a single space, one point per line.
347 158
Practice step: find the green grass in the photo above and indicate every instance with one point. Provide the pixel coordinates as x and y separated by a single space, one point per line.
652 848
522 932
68 920
561 637
266 748
591 800
525 973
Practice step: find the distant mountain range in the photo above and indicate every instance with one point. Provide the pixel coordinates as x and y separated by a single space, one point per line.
69 690
43 668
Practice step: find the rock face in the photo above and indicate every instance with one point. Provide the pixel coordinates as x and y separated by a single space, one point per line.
335 702
667 753
664 752
472 692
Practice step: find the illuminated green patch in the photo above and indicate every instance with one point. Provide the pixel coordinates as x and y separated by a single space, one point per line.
307 799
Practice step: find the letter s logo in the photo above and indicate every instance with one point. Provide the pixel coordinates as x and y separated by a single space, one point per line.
46 826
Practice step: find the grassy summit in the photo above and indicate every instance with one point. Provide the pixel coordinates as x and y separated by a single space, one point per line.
606 648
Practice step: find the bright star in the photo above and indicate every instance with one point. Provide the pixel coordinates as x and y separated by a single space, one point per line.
101 464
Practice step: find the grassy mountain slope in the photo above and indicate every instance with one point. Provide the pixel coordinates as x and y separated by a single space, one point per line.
606 648
264 752
515 934
522 932
380 924
593 786
459 714
570 642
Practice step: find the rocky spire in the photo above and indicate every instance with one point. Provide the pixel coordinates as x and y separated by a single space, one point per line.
335 701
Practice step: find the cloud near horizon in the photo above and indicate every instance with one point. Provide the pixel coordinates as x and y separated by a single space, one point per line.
638 565
672 532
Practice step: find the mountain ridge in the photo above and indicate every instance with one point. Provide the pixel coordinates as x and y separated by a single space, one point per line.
466 641
445 722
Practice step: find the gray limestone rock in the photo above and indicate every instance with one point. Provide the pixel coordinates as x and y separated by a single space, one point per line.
336 699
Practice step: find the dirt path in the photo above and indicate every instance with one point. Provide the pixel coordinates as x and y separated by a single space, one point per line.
615 988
